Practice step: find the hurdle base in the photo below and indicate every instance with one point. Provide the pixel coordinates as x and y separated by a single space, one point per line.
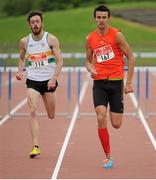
24 114
150 114
94 114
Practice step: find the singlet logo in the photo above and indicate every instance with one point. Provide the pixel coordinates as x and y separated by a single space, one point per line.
104 53
30 45
42 44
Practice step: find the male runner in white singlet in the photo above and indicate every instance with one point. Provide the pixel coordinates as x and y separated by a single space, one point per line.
44 66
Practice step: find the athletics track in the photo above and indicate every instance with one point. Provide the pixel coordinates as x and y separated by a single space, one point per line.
70 148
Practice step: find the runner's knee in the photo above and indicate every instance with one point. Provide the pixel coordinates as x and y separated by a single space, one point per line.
116 119
101 120
33 111
116 124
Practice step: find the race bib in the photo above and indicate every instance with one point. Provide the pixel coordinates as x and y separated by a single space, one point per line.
104 53
39 64
38 60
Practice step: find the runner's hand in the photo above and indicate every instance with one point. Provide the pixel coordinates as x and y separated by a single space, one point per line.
51 83
93 72
19 76
128 88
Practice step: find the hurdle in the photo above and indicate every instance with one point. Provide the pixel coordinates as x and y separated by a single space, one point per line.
147 113
0 83
0 88
138 90
19 114
147 92
145 105
80 56
147 110
135 113
79 71
9 92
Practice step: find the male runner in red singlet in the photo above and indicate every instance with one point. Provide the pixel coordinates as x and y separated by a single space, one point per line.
44 66
105 48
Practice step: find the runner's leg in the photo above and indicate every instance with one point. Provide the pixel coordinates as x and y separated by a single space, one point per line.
101 112
49 102
33 98
116 119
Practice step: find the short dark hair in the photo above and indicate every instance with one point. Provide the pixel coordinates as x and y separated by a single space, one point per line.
101 8
34 13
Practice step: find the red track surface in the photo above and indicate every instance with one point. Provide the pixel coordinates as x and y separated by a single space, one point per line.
133 153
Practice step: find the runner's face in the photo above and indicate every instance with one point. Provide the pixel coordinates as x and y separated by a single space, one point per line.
101 19
36 24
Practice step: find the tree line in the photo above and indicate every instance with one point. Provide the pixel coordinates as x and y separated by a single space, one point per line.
21 7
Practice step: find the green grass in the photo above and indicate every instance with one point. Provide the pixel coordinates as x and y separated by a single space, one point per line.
72 31
81 62
146 62
140 37
72 26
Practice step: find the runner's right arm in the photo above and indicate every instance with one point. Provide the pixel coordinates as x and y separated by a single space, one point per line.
21 63
89 56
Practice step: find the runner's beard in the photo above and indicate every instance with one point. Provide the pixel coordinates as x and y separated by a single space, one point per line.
36 31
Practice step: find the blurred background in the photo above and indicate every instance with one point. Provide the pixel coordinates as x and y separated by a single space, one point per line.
72 20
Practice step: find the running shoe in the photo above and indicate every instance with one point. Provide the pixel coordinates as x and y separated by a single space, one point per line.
35 151
108 163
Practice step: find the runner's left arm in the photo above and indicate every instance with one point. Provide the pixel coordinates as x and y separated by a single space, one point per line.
54 43
124 46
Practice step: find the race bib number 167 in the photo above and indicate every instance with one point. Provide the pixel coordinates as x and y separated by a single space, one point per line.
104 53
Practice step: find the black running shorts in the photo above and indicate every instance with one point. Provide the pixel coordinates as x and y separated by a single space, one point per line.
109 92
40 86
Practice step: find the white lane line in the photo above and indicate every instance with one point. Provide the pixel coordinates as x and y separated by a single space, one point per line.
70 129
143 120
22 103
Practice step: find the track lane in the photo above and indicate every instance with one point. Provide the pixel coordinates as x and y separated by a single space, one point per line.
133 152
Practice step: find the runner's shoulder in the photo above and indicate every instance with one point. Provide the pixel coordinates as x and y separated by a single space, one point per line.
90 35
51 36
24 40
